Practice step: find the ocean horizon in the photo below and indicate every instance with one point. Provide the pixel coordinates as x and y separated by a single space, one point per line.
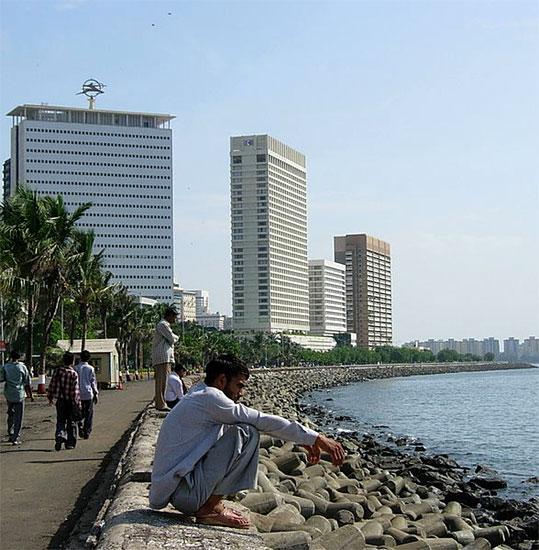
478 418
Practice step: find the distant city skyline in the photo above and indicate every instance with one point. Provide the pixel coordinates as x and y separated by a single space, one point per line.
418 120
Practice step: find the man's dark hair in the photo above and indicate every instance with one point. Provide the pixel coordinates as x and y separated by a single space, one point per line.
15 355
68 359
85 355
178 367
169 312
226 364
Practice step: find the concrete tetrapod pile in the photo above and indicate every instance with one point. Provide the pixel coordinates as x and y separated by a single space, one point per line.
379 498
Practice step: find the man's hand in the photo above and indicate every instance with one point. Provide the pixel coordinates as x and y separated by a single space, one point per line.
330 446
95 399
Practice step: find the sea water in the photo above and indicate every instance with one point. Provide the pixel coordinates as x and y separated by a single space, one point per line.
488 418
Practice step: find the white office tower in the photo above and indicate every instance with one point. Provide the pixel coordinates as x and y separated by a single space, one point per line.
270 282
327 297
120 162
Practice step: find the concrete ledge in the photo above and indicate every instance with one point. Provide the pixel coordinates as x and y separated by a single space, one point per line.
139 460
131 524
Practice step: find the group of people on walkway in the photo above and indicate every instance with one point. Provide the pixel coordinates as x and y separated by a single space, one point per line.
75 390
73 387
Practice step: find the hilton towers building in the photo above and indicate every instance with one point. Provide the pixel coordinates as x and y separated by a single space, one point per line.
368 288
270 278
119 161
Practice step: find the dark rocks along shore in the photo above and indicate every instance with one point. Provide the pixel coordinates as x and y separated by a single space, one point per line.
380 497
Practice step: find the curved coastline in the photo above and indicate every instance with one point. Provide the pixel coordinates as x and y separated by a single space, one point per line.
381 480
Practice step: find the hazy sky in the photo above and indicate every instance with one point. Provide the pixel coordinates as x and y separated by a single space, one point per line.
419 121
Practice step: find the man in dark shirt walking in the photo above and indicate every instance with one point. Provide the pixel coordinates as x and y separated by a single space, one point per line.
64 386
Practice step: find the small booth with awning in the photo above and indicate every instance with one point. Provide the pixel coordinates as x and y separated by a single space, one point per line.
105 358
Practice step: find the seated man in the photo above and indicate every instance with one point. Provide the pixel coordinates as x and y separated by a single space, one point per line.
208 446
176 388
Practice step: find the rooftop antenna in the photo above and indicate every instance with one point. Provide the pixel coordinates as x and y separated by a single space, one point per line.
91 89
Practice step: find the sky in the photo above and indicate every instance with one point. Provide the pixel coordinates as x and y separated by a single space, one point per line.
419 121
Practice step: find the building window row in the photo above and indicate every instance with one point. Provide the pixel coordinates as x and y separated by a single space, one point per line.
129 185
118 195
99 144
98 174
97 154
87 133
111 164
109 246
131 226
115 215
117 205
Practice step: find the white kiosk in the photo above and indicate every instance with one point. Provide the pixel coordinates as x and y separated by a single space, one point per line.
105 359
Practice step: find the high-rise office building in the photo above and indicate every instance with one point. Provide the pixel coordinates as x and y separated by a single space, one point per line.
327 297
368 287
119 161
270 282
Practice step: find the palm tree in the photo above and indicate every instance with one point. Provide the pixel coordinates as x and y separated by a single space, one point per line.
86 278
24 252
63 256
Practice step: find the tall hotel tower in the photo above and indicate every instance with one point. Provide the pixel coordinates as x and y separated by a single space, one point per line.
368 288
120 162
270 278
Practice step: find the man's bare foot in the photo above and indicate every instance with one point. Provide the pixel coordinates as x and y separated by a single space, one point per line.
225 517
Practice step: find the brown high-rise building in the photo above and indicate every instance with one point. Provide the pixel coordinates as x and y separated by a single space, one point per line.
368 288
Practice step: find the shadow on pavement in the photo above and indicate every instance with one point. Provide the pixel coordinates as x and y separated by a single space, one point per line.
63 461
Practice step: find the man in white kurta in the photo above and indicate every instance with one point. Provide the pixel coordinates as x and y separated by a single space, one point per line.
208 446
163 356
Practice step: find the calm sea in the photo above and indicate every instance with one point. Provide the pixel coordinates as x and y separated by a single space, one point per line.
488 418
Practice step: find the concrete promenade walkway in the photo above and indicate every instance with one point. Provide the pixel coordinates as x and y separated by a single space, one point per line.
43 492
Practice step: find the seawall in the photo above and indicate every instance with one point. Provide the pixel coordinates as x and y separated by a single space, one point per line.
378 499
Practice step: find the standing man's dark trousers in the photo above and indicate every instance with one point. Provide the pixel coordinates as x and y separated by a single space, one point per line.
161 373
15 410
86 422
66 426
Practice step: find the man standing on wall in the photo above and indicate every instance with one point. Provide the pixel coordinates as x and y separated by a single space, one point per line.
88 393
163 356
17 385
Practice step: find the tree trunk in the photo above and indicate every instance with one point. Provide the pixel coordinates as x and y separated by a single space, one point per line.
84 317
50 314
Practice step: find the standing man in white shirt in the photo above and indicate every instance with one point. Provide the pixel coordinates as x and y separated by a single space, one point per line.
163 356
208 446
88 393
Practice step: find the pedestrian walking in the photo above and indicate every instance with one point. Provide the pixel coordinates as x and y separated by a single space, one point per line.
88 393
17 386
176 387
64 387
163 356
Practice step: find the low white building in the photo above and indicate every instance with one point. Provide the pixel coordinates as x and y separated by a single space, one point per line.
105 358
316 343
211 320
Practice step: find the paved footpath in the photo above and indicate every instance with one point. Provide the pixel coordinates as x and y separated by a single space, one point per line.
42 492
